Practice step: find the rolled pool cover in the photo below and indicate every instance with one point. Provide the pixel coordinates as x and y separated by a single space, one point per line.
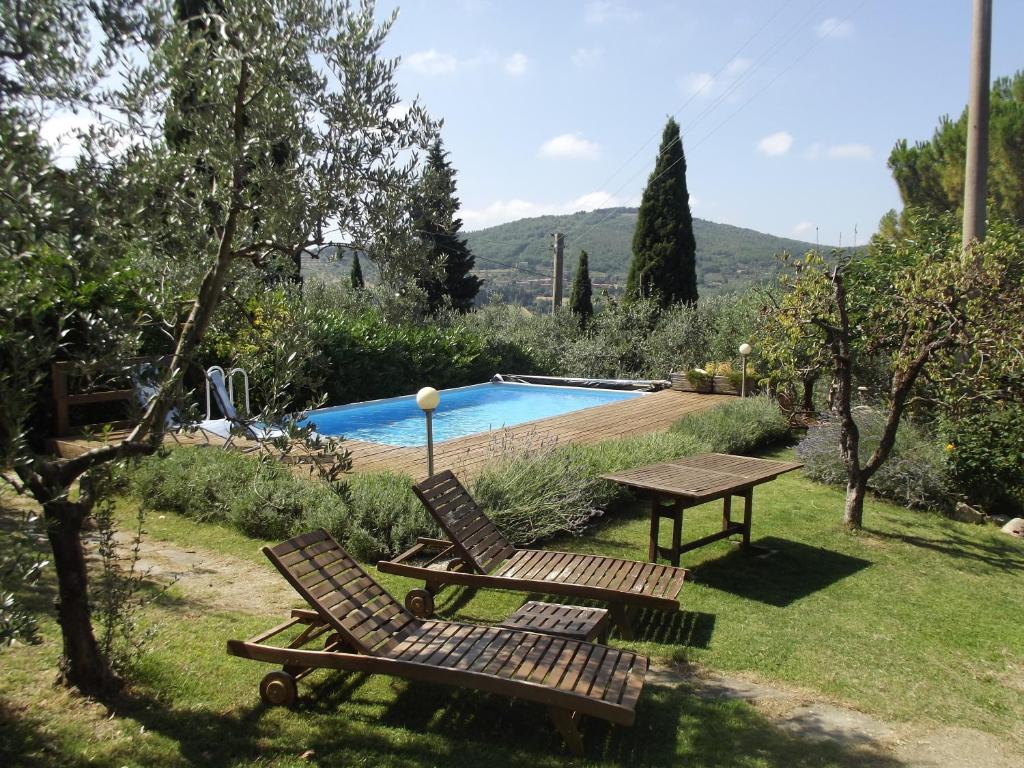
636 385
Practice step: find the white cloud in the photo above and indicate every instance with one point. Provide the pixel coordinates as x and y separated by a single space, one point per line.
833 27
858 151
737 67
570 145
604 11
700 83
705 84
515 64
803 229
432 62
584 58
775 144
502 211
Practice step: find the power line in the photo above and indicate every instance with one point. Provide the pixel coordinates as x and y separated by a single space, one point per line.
764 57
697 93
780 74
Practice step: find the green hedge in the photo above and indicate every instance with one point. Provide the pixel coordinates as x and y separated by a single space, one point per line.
986 457
531 495
325 341
379 517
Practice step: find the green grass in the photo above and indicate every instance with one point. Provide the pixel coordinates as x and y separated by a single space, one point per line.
914 619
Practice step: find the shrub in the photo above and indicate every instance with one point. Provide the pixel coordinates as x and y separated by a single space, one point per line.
262 498
986 457
741 426
385 516
531 490
628 452
535 495
915 474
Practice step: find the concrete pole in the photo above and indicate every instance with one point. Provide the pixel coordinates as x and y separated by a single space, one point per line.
556 272
976 172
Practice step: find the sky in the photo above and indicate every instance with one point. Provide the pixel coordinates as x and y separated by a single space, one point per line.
788 108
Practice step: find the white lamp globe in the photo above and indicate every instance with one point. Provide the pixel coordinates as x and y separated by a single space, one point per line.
745 349
428 398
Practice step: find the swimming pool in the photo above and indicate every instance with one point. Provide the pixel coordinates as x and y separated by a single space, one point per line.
463 411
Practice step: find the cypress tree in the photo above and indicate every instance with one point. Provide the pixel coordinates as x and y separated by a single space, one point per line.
356 275
664 249
449 260
580 299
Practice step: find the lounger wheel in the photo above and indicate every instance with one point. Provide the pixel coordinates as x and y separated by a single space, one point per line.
420 602
278 689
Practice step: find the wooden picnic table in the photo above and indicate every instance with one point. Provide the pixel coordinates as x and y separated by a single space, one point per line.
674 486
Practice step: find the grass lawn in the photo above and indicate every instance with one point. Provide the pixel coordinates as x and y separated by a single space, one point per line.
916 619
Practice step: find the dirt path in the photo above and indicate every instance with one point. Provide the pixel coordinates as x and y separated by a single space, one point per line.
223 582
211 579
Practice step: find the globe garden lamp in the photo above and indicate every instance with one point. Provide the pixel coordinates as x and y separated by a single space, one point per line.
428 399
745 350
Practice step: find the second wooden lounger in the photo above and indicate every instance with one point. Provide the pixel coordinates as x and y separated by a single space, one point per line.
478 555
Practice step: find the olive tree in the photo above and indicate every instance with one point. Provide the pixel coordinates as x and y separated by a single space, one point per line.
232 136
931 312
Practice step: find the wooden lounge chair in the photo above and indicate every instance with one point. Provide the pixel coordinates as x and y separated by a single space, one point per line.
372 633
477 555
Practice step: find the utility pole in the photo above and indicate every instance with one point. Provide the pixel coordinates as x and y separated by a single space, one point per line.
556 272
976 171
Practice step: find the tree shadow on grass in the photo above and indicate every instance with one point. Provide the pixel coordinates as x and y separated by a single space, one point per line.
1008 555
673 727
24 742
787 572
348 719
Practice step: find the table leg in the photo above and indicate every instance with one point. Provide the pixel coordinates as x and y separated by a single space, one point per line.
726 512
748 509
677 531
652 547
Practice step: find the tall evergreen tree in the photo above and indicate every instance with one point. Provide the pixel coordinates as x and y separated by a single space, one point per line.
930 174
449 260
664 249
356 275
580 299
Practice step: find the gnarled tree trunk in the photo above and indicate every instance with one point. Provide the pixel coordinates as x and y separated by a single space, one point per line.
82 665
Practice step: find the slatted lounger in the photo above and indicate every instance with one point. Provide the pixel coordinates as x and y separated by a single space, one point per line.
479 556
373 633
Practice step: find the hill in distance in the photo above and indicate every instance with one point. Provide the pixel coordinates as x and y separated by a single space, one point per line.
728 258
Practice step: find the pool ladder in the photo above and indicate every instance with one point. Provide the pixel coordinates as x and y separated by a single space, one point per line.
229 379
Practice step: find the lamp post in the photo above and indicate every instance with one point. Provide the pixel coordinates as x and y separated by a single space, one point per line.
745 350
428 399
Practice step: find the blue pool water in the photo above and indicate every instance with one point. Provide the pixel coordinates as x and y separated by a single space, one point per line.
463 411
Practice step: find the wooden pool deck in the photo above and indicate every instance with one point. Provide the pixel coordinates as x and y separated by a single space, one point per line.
465 455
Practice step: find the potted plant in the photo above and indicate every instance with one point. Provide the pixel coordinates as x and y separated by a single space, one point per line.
722 378
700 380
